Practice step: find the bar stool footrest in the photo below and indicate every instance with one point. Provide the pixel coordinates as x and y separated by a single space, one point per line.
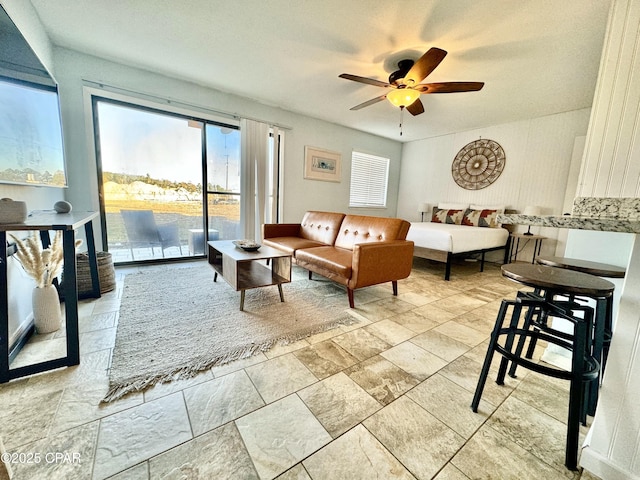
591 371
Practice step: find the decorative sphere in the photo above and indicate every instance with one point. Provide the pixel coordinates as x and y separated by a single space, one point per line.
62 207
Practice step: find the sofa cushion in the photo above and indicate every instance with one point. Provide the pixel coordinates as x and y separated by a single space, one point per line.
364 229
321 227
331 259
291 244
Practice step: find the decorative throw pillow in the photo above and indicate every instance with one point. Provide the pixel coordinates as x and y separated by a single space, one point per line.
453 217
500 209
480 218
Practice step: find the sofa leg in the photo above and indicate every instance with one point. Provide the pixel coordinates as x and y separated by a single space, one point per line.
350 295
394 284
309 274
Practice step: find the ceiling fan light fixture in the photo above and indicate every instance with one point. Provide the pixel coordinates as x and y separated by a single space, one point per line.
406 84
403 97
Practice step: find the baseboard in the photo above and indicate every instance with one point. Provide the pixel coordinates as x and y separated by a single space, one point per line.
21 341
602 467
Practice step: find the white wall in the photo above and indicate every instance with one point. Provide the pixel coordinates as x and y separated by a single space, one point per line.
538 162
611 168
299 194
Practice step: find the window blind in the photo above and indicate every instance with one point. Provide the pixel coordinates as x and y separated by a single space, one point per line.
369 177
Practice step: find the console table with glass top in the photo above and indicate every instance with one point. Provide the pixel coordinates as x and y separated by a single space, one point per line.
44 222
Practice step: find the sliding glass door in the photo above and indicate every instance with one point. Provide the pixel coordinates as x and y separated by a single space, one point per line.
152 167
223 182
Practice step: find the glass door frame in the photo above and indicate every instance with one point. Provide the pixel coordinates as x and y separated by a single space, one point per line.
95 98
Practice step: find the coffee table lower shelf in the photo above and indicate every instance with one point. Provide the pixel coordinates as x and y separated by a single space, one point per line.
243 271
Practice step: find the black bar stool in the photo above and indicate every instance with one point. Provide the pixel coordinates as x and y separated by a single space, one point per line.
535 326
604 309
603 304
590 287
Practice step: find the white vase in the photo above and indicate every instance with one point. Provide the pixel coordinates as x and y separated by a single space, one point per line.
46 309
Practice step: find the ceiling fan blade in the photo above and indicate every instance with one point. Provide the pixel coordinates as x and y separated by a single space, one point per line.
369 102
416 108
449 87
368 81
424 66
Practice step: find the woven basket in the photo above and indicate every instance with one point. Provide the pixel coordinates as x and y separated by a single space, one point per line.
106 273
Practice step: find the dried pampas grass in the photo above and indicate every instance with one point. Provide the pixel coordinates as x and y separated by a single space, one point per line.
42 264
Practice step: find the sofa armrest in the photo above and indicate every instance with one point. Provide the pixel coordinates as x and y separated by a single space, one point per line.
272 230
380 262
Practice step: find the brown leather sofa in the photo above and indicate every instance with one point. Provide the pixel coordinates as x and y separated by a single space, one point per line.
353 250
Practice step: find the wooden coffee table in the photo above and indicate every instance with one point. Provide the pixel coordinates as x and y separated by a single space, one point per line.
245 270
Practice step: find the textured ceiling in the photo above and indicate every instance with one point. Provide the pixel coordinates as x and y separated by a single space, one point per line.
536 57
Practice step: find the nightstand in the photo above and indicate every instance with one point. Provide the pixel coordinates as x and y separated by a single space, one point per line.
515 238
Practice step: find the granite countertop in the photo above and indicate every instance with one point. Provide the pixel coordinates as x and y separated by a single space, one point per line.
604 214
577 222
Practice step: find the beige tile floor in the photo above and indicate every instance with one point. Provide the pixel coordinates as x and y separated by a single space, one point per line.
385 398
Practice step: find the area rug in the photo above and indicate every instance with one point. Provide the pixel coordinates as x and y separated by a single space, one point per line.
176 322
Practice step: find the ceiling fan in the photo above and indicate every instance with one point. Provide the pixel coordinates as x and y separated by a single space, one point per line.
405 83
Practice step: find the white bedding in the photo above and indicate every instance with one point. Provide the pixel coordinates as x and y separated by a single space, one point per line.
456 238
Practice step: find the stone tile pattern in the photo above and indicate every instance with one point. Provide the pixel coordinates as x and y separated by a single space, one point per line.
386 398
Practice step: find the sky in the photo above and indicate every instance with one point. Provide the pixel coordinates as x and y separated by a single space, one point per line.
140 142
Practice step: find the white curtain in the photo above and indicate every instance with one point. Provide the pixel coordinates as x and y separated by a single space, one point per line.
258 177
271 212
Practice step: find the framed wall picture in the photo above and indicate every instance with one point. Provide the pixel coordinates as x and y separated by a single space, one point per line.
321 164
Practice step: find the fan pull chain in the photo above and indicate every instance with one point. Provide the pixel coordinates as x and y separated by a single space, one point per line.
401 112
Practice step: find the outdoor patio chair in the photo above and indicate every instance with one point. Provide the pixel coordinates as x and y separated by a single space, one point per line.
143 232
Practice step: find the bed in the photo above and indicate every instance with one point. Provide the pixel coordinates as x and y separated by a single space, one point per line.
459 231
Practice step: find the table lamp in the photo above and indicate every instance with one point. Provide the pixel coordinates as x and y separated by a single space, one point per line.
533 211
423 207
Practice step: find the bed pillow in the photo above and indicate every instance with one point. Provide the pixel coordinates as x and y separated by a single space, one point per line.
480 218
453 206
451 216
498 208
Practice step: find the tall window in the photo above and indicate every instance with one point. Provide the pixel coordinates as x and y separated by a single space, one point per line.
167 177
30 134
223 182
150 168
369 179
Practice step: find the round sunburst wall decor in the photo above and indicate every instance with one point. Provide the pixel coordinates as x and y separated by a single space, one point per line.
478 164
